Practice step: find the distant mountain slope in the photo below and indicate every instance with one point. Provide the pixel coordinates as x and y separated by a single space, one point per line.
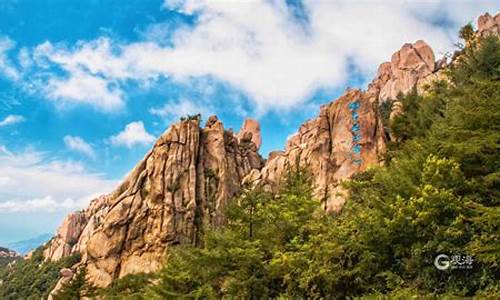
5 252
6 256
25 246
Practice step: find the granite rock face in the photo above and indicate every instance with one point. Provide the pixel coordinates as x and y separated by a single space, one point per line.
251 130
181 185
407 67
343 140
67 236
347 137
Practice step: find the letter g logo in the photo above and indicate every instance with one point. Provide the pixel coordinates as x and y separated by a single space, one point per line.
442 262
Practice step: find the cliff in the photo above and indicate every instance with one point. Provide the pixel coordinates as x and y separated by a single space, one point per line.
181 185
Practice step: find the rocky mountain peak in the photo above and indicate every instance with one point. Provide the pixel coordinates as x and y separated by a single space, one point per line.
181 186
407 67
345 138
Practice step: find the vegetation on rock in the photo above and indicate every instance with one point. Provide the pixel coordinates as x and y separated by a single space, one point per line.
32 278
195 117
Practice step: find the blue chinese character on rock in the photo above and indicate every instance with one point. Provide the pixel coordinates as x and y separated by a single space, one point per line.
355 116
353 105
356 149
356 137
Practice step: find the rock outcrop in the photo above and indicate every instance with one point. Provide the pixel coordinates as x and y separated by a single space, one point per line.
407 67
250 130
66 275
344 139
7 253
347 136
67 236
181 185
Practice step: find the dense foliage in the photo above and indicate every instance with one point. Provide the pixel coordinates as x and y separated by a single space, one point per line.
5 261
32 278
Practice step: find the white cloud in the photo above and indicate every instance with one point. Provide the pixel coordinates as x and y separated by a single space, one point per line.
80 145
24 58
82 87
258 47
4 180
46 204
11 120
6 66
31 182
176 109
133 134
79 84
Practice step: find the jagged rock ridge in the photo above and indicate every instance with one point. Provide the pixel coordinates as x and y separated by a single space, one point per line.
181 185
486 24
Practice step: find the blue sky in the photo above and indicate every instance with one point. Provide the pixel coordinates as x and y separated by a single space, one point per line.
87 86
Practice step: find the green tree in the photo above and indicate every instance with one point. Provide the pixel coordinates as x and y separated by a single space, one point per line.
33 278
76 288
